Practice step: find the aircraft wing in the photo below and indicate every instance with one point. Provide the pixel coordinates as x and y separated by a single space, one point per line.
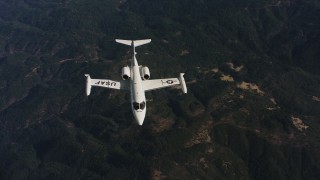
106 83
153 84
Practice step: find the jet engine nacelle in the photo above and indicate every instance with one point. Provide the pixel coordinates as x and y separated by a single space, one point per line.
125 73
145 72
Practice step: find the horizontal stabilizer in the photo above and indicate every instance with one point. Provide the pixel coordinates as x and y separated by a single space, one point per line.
135 43
141 42
125 42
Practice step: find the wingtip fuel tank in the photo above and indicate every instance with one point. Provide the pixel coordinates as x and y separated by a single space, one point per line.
183 83
88 84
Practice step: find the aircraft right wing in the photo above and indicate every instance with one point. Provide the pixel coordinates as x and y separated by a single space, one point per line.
154 84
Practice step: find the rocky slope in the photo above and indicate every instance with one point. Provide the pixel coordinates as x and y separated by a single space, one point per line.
253 106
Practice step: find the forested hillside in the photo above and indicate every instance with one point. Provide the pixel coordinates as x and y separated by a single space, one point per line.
252 69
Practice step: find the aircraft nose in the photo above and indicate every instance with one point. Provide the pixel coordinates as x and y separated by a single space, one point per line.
140 117
140 122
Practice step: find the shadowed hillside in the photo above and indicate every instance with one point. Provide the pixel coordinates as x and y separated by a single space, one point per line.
252 110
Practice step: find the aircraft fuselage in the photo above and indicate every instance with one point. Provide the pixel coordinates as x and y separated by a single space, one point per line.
138 99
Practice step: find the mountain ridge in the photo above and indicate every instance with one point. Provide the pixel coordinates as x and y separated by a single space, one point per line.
252 111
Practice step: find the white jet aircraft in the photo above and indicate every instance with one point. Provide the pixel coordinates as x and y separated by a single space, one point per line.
136 80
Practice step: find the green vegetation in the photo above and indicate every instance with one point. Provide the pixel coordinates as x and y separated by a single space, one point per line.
49 129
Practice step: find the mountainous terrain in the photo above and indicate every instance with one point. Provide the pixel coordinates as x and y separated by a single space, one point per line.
252 69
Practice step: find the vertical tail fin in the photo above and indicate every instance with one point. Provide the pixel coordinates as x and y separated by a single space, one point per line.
135 43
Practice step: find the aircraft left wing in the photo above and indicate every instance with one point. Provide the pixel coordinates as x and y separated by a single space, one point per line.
106 83
154 84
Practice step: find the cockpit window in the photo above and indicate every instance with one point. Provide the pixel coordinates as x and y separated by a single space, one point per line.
142 105
137 106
